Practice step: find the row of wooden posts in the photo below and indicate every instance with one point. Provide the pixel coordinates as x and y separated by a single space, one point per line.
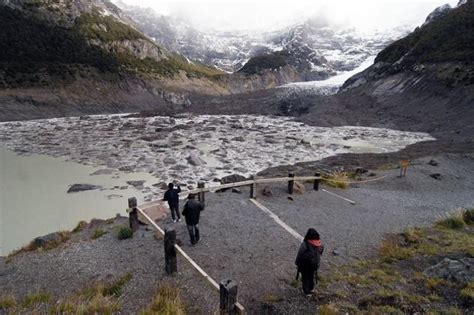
228 289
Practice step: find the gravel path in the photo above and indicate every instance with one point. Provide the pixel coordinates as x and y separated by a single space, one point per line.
241 242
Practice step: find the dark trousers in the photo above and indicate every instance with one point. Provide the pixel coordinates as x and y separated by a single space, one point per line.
193 233
307 276
174 208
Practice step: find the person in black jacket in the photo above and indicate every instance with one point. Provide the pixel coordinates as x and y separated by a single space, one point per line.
172 196
192 210
308 259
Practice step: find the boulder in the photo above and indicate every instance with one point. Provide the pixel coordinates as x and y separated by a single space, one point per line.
194 160
136 183
436 176
239 138
105 171
82 187
267 191
299 188
234 178
456 270
47 239
433 163
169 161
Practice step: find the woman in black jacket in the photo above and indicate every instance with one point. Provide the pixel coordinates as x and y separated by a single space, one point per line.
308 259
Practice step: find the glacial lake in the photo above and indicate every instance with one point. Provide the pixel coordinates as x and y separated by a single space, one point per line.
41 159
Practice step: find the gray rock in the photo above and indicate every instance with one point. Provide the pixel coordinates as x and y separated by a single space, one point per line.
169 161
105 171
239 138
126 168
457 270
236 190
136 183
46 239
194 160
241 170
234 178
82 187
433 163
267 191
436 176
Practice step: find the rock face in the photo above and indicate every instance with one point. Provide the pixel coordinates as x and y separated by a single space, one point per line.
457 270
82 187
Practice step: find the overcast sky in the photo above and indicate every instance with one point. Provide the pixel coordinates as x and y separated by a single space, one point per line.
257 15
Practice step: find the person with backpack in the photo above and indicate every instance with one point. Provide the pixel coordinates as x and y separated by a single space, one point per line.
308 259
191 211
172 196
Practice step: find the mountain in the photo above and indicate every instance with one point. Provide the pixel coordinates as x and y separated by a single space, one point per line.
311 50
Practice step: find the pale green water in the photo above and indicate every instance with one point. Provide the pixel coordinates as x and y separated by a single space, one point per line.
34 202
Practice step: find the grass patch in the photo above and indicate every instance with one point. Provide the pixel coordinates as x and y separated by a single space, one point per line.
114 288
270 298
166 302
124 232
79 227
337 179
97 304
454 221
98 233
328 309
36 298
6 302
390 250
468 293
468 216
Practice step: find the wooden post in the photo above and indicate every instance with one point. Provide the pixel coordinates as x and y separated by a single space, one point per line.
291 184
253 188
171 262
228 297
201 194
133 213
316 181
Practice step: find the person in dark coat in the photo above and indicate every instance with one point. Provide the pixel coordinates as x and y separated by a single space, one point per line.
192 210
308 259
172 196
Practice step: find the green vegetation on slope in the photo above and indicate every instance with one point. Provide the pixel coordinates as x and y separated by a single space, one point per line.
269 61
448 38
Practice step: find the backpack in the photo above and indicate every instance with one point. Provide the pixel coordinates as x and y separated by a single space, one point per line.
310 257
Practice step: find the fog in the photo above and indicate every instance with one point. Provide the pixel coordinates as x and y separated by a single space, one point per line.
258 15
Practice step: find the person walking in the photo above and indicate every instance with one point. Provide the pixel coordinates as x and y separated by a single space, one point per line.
308 259
172 196
191 211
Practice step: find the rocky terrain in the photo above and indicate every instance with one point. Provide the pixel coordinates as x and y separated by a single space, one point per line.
195 148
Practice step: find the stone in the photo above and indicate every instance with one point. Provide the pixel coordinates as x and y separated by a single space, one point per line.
161 185
234 178
169 161
433 163
267 191
236 190
194 160
456 270
299 188
241 170
136 183
239 138
126 168
47 239
105 171
436 176
82 187
179 167
96 222
360 170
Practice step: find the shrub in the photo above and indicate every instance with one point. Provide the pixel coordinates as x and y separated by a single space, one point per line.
124 233
327 309
453 221
79 227
337 179
468 216
166 302
391 250
98 233
468 293
36 298
7 301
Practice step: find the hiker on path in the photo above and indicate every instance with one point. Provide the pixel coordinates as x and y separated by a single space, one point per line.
171 195
191 211
308 258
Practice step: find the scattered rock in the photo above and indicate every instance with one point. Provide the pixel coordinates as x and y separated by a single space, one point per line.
194 160
169 161
82 187
290 198
234 178
114 196
136 183
240 138
236 190
161 185
436 176
267 191
299 188
46 239
126 168
241 170
433 163
457 270
105 171
360 170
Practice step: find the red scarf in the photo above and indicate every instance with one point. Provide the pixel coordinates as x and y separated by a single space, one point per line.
316 243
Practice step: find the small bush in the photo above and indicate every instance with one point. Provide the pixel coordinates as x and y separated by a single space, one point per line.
468 216
79 227
327 309
454 221
124 233
167 302
337 179
468 293
98 233
390 251
7 301
36 298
